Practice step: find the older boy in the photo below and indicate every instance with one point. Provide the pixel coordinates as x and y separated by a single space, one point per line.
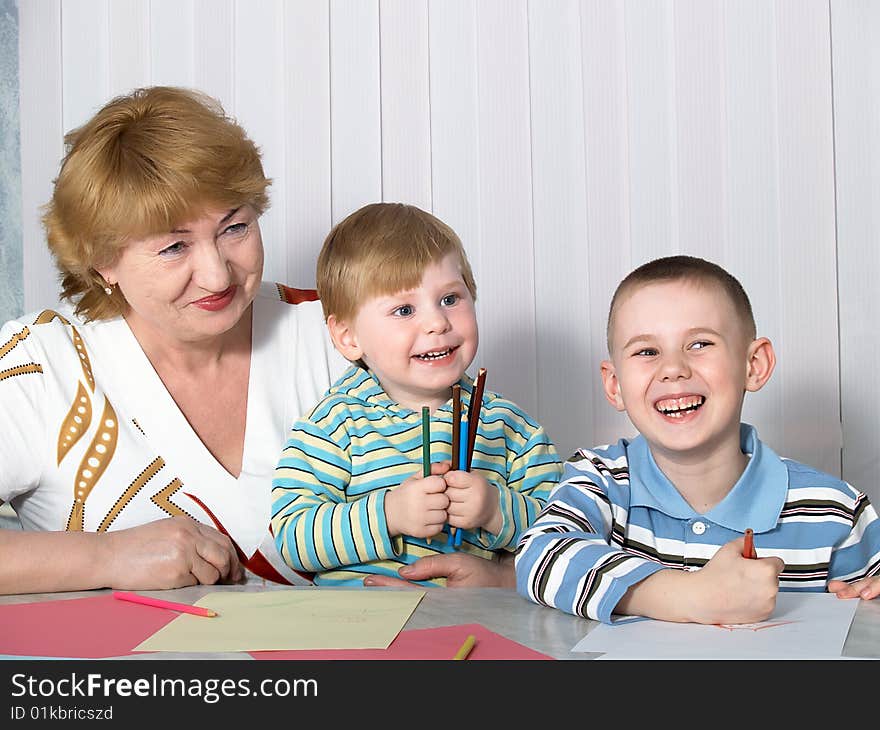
349 498
654 526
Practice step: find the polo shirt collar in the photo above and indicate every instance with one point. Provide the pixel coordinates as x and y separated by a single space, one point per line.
755 501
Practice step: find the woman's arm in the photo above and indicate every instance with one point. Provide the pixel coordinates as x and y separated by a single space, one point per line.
168 553
461 570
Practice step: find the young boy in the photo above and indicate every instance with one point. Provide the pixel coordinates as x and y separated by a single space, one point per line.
349 495
654 526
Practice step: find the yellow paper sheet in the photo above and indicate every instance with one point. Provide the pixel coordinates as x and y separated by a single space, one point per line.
310 618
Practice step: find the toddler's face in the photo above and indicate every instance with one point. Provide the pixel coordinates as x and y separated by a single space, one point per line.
420 342
679 367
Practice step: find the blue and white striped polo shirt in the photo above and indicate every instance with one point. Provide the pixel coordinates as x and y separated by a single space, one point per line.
615 519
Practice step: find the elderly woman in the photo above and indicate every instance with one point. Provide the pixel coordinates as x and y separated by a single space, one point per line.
140 431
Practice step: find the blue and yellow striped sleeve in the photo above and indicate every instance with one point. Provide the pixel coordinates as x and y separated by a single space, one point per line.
531 471
534 473
316 528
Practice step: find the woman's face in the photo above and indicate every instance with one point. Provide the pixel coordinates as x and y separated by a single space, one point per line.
193 283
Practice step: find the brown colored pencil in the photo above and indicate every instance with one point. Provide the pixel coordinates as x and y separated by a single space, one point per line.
474 415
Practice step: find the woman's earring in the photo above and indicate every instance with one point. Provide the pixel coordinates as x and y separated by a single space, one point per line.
108 291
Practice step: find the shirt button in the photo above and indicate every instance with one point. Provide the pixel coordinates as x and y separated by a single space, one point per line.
698 527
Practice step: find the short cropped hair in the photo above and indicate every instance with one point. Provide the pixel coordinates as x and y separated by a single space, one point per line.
684 268
144 163
381 249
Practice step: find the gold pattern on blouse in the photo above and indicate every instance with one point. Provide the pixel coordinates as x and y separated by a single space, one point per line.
21 370
76 422
8 347
163 499
93 464
48 315
151 470
13 341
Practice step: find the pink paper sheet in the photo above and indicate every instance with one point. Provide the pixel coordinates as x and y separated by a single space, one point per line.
86 628
438 643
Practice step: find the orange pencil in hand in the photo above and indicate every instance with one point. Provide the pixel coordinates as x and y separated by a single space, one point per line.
749 545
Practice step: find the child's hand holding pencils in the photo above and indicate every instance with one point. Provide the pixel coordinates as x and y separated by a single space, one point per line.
418 506
473 502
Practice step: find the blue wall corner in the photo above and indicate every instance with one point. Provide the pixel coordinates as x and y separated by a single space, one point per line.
11 249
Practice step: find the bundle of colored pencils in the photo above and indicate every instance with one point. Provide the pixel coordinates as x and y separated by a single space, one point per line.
462 449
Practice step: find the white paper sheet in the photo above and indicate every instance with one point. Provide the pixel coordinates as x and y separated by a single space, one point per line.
803 626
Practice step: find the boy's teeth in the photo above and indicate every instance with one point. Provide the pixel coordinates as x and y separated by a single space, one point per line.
433 355
680 406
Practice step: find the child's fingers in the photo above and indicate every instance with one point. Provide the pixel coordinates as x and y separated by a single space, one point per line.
777 563
457 495
435 525
440 467
871 590
457 515
866 588
458 479
842 589
433 484
436 503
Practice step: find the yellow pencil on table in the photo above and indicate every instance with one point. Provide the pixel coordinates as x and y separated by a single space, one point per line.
159 603
465 649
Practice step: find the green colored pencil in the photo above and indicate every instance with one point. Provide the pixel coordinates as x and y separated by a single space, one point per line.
426 441
426 447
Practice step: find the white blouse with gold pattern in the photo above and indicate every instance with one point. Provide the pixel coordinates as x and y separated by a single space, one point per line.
90 439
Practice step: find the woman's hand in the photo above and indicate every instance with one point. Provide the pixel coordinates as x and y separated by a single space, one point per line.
169 553
461 570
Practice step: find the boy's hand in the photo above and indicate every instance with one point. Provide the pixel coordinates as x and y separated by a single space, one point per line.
473 502
866 588
418 506
731 589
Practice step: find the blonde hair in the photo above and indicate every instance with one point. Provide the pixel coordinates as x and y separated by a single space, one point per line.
380 249
684 268
147 161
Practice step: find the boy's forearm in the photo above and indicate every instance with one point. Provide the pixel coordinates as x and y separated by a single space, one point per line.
666 595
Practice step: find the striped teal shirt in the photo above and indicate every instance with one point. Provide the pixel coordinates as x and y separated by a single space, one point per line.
615 519
339 463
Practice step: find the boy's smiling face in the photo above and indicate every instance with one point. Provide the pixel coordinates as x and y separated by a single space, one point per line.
418 343
681 362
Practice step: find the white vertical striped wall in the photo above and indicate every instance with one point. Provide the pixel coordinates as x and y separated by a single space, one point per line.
856 63
567 141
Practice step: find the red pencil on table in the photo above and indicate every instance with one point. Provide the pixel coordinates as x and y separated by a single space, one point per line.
749 545
159 603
